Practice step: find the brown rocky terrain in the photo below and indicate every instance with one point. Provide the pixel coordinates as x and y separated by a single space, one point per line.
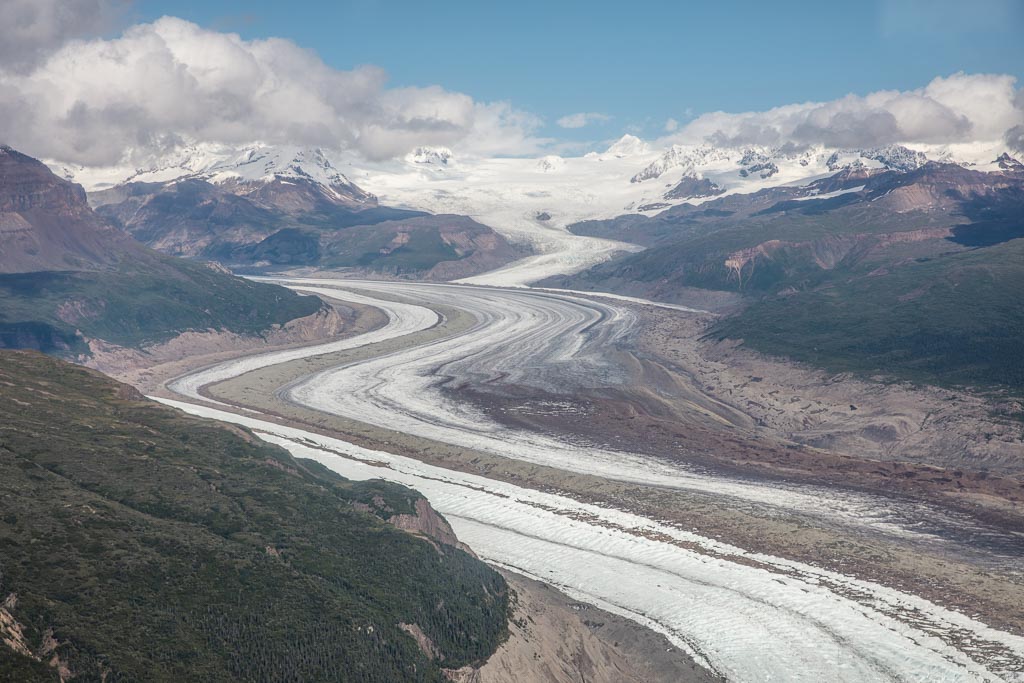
196 217
723 406
149 367
45 223
555 639
902 276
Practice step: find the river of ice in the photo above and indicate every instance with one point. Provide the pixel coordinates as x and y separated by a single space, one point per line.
546 341
780 620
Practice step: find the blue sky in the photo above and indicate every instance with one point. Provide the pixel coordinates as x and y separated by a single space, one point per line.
639 63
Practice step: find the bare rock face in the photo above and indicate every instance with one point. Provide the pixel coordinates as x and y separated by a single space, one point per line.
694 188
46 223
297 195
12 633
554 639
1008 163
426 522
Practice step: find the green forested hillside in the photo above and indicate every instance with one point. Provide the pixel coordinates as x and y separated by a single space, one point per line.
955 319
66 276
914 276
136 304
140 544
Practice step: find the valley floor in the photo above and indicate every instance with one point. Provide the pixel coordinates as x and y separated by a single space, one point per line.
727 558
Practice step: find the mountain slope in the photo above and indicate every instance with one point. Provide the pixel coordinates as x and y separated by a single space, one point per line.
45 223
196 217
275 207
841 271
66 276
952 319
442 247
137 543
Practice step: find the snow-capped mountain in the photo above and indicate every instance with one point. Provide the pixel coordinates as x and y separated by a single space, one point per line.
434 156
688 158
244 170
767 162
749 169
630 176
628 146
1007 163
286 171
269 163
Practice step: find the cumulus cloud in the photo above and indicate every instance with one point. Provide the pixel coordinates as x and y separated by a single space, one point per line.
1015 139
671 125
582 119
34 28
959 108
158 86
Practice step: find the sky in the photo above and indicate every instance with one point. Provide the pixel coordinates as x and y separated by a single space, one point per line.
637 64
131 82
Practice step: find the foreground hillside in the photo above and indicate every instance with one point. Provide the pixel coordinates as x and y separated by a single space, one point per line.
67 277
907 274
140 544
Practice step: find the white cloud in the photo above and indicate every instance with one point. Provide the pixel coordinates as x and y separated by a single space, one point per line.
34 28
960 108
160 85
582 119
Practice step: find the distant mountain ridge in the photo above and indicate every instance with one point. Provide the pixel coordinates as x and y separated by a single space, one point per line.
722 167
732 166
272 208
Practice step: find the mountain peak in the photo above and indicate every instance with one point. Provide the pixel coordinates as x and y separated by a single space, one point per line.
628 145
46 224
1008 163
687 157
550 163
435 156
266 163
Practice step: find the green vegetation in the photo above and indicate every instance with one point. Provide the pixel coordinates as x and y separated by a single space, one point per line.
135 305
693 252
146 545
916 276
423 250
953 319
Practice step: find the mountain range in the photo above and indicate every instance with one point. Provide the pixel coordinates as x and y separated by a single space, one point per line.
68 278
279 208
892 271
